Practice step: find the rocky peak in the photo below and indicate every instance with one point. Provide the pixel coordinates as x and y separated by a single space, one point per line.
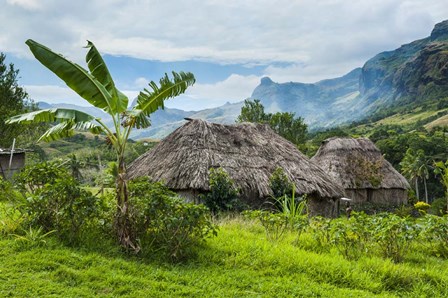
266 81
440 31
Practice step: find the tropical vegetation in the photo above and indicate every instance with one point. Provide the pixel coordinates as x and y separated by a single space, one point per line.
97 87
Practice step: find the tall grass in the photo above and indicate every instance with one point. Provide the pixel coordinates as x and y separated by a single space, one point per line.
239 262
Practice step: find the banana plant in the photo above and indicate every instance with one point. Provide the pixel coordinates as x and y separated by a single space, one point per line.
97 87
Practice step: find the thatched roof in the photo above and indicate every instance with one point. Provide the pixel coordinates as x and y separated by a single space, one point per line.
358 163
248 152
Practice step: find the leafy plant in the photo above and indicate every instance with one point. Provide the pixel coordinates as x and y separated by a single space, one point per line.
32 178
280 184
274 224
422 207
165 222
393 235
223 195
33 237
435 232
352 237
62 206
320 230
442 170
97 87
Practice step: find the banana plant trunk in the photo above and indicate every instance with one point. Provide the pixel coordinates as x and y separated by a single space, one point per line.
125 234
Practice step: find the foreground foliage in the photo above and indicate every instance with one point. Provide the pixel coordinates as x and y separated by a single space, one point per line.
97 87
239 262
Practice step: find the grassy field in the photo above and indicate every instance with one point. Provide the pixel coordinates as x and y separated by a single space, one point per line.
239 262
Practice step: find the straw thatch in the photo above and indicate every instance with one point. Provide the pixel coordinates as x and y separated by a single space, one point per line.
358 165
248 152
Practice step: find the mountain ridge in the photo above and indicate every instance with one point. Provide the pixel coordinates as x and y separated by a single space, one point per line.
414 73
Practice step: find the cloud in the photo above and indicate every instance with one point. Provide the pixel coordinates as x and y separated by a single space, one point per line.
235 88
54 94
303 40
26 4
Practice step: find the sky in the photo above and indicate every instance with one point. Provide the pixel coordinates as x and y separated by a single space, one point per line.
229 45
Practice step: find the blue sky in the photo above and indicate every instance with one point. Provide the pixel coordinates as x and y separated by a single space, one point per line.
229 45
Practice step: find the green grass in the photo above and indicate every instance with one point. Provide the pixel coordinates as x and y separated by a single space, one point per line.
239 262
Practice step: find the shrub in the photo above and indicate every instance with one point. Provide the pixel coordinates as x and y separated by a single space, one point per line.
280 184
393 235
7 192
165 222
438 207
223 195
62 206
274 224
34 177
320 230
435 231
352 237
422 207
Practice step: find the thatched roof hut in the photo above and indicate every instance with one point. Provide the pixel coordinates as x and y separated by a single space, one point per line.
359 166
11 162
249 153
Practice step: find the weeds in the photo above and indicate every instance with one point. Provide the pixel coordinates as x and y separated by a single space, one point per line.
33 237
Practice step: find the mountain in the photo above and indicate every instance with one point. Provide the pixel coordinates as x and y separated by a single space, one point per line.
408 78
163 121
318 103
414 73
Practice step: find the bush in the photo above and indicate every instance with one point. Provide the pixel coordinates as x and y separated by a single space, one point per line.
280 184
34 177
352 237
435 232
438 207
422 207
7 192
393 235
223 195
274 224
164 222
55 201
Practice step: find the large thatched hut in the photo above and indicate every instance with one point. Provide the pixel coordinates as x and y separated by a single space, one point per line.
249 153
359 166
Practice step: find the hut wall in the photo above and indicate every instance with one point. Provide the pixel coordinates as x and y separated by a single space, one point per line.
18 162
189 195
393 196
323 207
390 196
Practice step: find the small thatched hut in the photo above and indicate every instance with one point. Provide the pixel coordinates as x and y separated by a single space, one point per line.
358 165
249 152
10 163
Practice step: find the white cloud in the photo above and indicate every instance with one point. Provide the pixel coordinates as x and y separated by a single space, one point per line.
317 39
54 94
27 4
234 88
202 96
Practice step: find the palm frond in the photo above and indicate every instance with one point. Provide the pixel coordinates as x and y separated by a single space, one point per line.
51 115
149 101
99 70
76 77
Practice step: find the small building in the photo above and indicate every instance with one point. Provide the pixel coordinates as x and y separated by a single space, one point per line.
10 163
359 166
249 153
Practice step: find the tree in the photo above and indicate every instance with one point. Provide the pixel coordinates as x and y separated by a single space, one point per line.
285 124
291 128
409 168
252 111
13 100
441 169
96 86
